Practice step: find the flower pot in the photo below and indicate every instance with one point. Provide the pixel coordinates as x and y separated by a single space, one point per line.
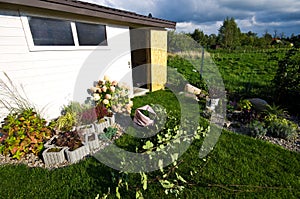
102 124
111 119
85 129
77 154
92 141
54 155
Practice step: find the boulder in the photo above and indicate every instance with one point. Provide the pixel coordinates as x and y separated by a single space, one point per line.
258 104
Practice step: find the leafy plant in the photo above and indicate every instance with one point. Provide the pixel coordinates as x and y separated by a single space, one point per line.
275 110
281 127
257 129
110 132
67 121
88 116
69 139
245 105
24 133
287 80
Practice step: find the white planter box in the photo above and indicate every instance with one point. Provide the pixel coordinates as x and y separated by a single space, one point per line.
77 154
49 144
111 119
92 141
53 158
85 129
100 126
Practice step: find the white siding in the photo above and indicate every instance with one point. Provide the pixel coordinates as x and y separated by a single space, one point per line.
53 78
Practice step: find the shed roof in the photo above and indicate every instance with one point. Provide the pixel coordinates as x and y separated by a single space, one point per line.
93 10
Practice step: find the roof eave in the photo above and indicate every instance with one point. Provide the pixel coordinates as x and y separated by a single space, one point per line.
93 10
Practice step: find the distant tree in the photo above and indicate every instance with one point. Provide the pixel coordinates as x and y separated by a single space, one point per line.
212 40
200 37
295 40
267 39
248 39
229 34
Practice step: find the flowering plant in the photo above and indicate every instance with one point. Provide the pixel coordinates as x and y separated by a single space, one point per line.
121 103
112 96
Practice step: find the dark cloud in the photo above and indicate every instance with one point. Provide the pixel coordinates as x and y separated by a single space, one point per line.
251 15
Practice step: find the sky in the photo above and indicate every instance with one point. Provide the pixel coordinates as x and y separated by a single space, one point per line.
258 16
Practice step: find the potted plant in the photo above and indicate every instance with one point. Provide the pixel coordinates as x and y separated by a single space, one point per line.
73 140
54 155
105 118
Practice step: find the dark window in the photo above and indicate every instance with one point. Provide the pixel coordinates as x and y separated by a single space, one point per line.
91 34
51 32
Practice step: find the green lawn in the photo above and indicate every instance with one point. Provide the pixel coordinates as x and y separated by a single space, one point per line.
238 167
249 73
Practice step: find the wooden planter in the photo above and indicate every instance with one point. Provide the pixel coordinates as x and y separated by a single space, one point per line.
77 154
53 158
92 141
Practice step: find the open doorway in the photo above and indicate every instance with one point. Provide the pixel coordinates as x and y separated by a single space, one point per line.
140 59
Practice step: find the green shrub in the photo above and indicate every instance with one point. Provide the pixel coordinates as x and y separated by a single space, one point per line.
257 129
281 127
287 80
24 133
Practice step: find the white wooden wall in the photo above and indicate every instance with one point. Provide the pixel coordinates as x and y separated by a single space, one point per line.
53 78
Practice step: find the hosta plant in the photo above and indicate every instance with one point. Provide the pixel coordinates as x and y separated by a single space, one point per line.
24 133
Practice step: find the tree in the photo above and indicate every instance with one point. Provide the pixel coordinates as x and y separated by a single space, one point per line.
248 39
229 34
199 37
287 80
267 39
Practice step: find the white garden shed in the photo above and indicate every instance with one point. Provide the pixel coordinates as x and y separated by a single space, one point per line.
57 48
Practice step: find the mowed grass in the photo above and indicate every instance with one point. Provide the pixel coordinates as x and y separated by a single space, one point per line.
238 167
248 73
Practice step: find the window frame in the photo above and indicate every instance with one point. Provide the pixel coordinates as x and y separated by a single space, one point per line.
105 33
76 46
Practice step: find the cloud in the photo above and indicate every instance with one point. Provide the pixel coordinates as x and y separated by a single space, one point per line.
207 15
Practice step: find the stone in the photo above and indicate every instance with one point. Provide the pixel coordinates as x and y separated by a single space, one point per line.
258 104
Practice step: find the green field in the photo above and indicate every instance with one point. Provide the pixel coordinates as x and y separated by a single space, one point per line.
248 73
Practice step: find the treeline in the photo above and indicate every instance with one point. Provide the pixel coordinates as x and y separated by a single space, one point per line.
230 37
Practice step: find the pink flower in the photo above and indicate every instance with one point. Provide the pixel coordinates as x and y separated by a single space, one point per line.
96 97
112 89
99 90
93 89
108 96
114 83
105 101
104 89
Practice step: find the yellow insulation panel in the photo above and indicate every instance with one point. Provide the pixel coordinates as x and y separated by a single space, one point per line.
158 59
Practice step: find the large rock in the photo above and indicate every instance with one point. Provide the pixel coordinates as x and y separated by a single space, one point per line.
192 89
258 104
